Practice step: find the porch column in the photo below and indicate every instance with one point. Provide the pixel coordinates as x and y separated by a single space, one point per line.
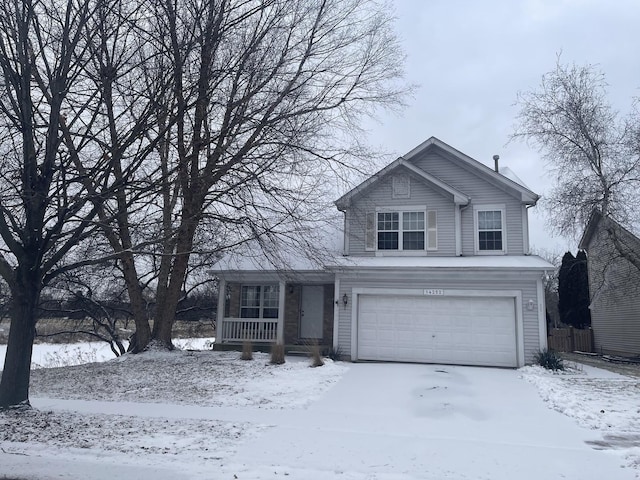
222 299
457 221
336 312
281 308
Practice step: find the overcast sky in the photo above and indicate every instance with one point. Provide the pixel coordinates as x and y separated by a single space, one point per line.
470 58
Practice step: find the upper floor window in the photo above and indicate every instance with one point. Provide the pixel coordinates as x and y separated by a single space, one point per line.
490 233
259 301
388 231
413 230
402 230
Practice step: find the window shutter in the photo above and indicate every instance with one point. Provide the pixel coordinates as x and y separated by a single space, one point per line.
432 230
370 232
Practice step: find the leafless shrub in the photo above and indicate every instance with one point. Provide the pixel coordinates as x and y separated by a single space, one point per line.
277 354
316 358
247 350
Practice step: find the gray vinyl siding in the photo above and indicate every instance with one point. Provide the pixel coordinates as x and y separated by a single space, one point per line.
525 283
481 191
512 226
423 197
614 286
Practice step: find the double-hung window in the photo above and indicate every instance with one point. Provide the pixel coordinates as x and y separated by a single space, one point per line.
259 301
406 230
412 230
388 230
490 235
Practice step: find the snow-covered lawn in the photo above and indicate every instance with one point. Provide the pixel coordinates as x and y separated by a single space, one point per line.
595 399
209 415
47 355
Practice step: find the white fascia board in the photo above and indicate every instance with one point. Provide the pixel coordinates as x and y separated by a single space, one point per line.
344 201
527 196
274 276
459 198
590 229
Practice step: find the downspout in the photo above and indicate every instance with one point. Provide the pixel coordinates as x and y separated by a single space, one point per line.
528 239
345 238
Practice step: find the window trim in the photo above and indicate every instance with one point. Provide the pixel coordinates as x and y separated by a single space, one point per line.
261 306
371 229
401 230
398 231
476 230
404 228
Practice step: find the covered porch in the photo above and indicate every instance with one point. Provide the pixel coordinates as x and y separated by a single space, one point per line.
267 307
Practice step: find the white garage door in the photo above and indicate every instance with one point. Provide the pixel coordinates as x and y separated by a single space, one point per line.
450 330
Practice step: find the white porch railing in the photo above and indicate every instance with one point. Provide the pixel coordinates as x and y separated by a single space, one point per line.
251 329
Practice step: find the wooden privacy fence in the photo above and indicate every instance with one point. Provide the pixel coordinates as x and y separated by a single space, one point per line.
570 340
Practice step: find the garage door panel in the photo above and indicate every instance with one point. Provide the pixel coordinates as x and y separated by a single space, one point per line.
459 330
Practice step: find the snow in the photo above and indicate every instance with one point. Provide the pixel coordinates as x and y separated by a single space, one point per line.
209 415
510 174
531 262
596 399
506 261
47 355
282 255
522 262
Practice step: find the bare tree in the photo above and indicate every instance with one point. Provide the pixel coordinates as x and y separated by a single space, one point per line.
43 207
265 104
592 152
93 300
125 73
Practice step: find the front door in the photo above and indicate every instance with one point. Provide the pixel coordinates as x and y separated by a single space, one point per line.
312 311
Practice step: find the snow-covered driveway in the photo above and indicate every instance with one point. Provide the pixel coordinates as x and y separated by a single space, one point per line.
398 421
211 416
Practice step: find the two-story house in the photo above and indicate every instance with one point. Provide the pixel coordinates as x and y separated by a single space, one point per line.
435 268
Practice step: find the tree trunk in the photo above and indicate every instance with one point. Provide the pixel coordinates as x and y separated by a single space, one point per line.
166 308
14 386
140 339
168 303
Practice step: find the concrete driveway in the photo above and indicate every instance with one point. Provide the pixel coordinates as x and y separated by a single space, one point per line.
405 421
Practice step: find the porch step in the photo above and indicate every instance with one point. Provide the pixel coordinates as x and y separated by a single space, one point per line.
290 349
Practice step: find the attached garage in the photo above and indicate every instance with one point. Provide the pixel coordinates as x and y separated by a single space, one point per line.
449 329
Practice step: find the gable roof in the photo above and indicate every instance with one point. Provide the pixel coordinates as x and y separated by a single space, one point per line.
592 227
458 196
461 198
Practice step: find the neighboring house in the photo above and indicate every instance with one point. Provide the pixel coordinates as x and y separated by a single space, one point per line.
614 285
435 268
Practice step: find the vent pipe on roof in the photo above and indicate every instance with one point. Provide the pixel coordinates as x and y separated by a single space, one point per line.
495 159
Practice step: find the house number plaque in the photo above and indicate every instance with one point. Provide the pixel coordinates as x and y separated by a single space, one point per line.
433 291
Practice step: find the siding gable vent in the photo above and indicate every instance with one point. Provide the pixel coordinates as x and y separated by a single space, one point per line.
401 185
